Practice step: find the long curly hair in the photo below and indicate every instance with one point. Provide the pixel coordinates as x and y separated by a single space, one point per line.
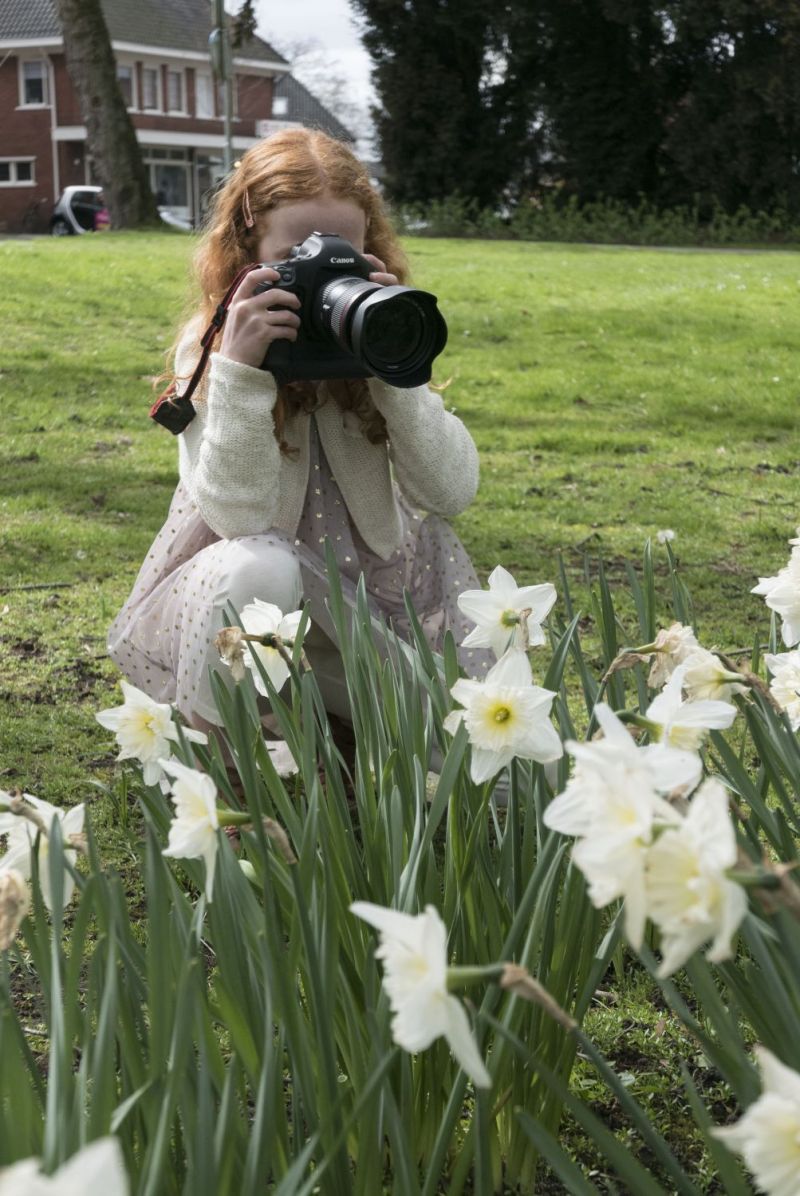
294 164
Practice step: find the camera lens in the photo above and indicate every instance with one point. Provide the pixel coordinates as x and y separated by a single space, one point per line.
387 326
395 332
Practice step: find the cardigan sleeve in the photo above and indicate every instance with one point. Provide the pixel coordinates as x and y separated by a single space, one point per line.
229 457
434 457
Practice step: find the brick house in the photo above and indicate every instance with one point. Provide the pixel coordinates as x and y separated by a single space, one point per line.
161 48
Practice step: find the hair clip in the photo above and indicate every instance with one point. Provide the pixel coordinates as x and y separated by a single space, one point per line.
246 212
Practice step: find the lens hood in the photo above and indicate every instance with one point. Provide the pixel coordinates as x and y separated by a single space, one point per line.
397 331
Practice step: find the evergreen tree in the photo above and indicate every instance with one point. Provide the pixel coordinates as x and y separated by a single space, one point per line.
604 96
733 130
666 99
450 120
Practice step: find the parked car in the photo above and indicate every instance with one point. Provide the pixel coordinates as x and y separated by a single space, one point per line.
79 210
83 210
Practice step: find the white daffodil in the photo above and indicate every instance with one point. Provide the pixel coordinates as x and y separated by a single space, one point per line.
683 724
689 895
144 730
705 677
612 804
414 954
97 1170
264 618
782 594
193 833
768 1135
498 613
282 759
506 715
21 841
671 647
785 683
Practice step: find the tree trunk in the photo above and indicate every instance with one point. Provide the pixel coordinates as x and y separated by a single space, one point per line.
110 136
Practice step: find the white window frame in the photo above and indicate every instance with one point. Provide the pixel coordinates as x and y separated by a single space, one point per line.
12 162
209 79
156 68
280 106
21 61
177 70
131 66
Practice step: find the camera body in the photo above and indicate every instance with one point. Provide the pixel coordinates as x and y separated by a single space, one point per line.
351 327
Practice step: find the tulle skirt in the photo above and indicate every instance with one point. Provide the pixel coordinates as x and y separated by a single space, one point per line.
162 639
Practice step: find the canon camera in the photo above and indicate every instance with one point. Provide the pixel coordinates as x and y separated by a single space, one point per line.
351 327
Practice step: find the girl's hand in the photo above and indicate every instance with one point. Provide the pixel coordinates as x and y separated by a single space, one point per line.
253 322
380 275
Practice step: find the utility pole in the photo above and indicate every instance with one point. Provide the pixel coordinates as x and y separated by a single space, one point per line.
219 44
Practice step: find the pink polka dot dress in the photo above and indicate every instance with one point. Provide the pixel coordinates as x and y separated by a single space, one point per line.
162 638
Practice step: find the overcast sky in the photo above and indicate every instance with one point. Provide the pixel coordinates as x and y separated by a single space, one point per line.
328 21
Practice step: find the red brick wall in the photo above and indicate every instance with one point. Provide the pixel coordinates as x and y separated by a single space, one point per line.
255 100
68 110
25 132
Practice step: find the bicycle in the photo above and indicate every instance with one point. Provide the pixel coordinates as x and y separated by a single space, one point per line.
31 221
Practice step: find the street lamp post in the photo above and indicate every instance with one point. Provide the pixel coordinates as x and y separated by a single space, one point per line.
219 44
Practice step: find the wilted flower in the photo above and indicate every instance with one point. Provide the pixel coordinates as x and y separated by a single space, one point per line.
785 683
230 644
97 1170
499 613
612 804
671 647
782 594
22 833
414 954
689 895
144 730
506 715
685 724
15 901
266 619
768 1135
193 833
705 676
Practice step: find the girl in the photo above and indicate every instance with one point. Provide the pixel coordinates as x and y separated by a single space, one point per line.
266 473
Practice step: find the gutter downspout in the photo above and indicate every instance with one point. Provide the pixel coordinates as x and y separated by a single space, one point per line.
53 125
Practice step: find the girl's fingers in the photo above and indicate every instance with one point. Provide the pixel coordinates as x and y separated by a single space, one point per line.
282 317
376 262
276 298
253 279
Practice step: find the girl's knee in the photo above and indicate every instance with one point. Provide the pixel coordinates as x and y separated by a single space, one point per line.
257 567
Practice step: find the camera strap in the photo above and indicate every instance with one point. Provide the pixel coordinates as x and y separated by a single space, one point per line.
174 411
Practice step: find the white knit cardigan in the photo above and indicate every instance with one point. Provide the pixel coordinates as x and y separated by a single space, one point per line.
243 485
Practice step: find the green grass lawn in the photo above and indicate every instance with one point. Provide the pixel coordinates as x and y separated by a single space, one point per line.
611 392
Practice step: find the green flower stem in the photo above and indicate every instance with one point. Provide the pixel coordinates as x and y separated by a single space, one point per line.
463 977
233 817
639 720
754 878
